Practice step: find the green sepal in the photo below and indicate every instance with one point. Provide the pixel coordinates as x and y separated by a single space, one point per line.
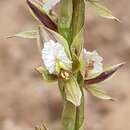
75 64
93 90
68 116
101 10
46 76
72 91
99 77
72 116
69 110
78 42
32 34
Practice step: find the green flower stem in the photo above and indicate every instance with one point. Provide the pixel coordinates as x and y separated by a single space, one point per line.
78 16
70 23
68 116
77 24
65 19
72 116
79 122
69 110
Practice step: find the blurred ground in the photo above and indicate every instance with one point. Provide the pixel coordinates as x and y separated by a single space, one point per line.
25 100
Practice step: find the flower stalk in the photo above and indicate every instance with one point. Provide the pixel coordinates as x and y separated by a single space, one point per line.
78 16
65 20
70 23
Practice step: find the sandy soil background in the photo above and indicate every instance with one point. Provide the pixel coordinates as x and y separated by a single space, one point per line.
26 101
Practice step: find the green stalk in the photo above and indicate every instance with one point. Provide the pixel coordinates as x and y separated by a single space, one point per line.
64 28
79 122
69 110
65 19
77 24
78 16
70 23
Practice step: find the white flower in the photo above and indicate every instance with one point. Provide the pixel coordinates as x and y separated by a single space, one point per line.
49 4
93 61
54 57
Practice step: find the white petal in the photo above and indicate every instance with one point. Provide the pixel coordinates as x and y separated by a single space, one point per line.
50 4
96 58
98 67
62 56
52 52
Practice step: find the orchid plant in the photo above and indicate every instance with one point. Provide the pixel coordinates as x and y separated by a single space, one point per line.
60 39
